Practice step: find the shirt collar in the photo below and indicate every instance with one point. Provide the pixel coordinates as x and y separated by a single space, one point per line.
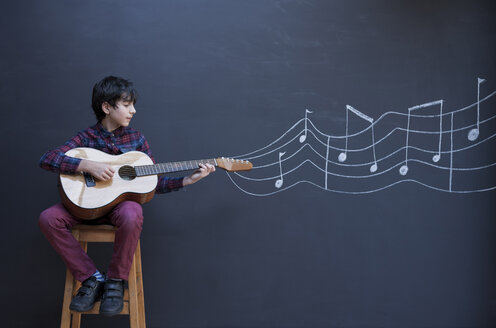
99 127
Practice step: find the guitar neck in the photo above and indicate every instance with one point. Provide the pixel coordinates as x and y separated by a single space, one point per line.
162 168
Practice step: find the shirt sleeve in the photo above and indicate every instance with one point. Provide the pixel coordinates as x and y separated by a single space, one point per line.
165 184
55 160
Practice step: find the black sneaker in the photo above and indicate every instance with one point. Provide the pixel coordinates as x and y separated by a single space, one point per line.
89 292
112 298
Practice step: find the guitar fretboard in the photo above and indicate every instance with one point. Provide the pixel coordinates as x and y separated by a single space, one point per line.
161 168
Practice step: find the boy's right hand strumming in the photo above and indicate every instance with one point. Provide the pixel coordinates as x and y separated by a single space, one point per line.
100 171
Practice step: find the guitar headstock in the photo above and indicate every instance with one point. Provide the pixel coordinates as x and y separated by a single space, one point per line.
233 165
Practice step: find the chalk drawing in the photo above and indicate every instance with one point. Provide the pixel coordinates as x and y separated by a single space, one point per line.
474 133
451 154
342 156
327 161
304 136
332 168
280 181
435 158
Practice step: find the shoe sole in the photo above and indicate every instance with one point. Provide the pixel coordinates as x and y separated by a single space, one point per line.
82 310
111 314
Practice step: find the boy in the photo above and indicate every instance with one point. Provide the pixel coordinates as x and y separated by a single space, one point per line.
113 103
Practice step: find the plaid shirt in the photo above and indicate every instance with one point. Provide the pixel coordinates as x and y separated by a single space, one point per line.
119 141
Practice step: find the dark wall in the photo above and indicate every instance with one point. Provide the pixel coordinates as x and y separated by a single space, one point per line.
221 78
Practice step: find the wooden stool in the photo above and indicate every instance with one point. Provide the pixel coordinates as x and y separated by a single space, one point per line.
134 304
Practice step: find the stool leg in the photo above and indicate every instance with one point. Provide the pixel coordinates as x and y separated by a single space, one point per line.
139 281
65 321
133 299
76 316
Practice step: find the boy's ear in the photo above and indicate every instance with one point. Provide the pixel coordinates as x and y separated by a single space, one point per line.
106 108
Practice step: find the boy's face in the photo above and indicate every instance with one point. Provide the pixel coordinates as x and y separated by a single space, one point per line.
121 114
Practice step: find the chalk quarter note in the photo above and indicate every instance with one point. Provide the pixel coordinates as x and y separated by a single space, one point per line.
280 181
474 133
373 167
304 136
342 157
436 157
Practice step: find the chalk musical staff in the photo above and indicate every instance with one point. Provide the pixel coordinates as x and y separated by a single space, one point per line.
436 157
348 178
304 136
280 181
474 133
342 156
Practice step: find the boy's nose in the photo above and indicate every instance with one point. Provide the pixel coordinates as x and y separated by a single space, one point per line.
132 110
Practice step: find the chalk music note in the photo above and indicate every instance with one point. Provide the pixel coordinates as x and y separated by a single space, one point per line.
474 133
435 158
327 161
280 181
373 167
304 137
342 157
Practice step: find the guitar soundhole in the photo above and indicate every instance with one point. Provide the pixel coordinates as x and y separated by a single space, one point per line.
127 172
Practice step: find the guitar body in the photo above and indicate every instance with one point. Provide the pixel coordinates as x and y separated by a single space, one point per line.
92 199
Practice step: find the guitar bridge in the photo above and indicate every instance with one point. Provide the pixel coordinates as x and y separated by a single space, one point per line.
88 178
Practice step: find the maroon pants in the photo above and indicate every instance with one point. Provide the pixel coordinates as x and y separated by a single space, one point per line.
56 222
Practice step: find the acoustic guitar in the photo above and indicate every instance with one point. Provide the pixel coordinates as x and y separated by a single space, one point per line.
135 179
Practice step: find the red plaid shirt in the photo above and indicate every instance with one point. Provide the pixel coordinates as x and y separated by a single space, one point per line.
119 141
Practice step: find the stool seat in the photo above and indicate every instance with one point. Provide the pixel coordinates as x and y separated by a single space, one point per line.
134 304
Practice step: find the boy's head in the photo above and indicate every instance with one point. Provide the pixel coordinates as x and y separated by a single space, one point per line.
110 90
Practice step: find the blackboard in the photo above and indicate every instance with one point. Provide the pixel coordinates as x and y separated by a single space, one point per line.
229 78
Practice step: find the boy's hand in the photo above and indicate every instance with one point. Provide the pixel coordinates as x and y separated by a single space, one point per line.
100 171
203 171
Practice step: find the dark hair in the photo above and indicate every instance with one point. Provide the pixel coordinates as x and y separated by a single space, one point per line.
111 89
